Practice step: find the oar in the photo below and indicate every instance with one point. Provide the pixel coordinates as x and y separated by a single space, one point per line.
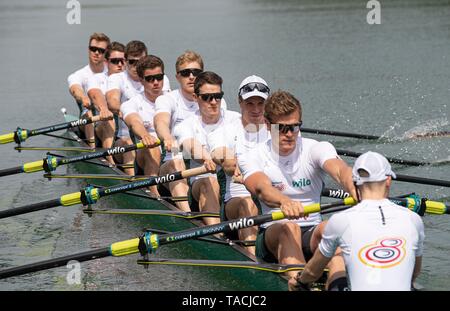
422 180
150 242
413 203
353 154
262 266
90 195
50 163
20 135
143 212
342 134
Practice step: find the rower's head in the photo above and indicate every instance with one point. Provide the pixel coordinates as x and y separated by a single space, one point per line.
283 117
134 51
188 66
253 91
372 175
208 94
115 57
150 70
98 42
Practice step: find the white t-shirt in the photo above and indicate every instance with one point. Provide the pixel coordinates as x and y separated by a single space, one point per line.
239 141
145 108
299 175
194 127
179 109
128 88
379 240
98 81
81 78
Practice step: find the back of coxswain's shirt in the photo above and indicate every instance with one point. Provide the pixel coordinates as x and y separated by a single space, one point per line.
379 240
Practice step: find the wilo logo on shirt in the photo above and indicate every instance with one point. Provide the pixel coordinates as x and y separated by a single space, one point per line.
303 182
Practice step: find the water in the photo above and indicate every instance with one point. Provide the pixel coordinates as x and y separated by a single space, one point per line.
390 79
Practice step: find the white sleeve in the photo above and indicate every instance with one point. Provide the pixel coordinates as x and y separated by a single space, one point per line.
334 230
114 82
128 107
223 104
166 85
165 103
75 78
321 152
249 163
417 220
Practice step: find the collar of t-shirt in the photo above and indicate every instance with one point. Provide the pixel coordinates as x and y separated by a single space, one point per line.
188 103
289 163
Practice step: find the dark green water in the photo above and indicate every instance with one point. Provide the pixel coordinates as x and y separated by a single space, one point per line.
390 79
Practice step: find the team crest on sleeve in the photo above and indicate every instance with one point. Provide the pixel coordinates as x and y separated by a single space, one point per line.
384 253
279 185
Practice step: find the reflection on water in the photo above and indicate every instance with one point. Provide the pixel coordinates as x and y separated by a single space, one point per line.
389 79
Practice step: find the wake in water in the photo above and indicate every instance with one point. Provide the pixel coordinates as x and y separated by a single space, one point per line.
429 129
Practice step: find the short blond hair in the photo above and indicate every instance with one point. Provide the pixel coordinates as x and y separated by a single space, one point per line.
188 57
99 36
281 103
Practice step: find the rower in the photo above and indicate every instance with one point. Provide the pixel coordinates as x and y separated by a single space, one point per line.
78 80
171 109
96 89
381 242
193 135
121 87
285 173
233 140
139 111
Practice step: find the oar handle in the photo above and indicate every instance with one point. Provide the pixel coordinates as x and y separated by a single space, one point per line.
194 172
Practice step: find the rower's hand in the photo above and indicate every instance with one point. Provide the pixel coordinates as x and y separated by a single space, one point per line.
171 145
86 102
106 114
292 209
149 141
237 176
210 165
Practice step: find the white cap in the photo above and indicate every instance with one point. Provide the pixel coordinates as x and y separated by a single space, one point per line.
255 92
376 165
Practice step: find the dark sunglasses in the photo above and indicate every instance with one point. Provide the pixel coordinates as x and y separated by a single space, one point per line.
94 49
252 86
117 61
132 61
187 72
210 96
284 128
151 78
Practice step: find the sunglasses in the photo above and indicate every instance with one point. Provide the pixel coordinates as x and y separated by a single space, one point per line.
252 86
117 61
151 78
132 61
284 128
94 49
210 96
187 72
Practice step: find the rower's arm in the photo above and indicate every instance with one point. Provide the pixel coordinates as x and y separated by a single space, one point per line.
260 185
77 92
341 173
98 99
225 157
162 125
197 152
314 268
113 100
417 268
134 123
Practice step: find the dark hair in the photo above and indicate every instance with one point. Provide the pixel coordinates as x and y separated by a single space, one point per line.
281 103
148 62
207 77
114 46
135 48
